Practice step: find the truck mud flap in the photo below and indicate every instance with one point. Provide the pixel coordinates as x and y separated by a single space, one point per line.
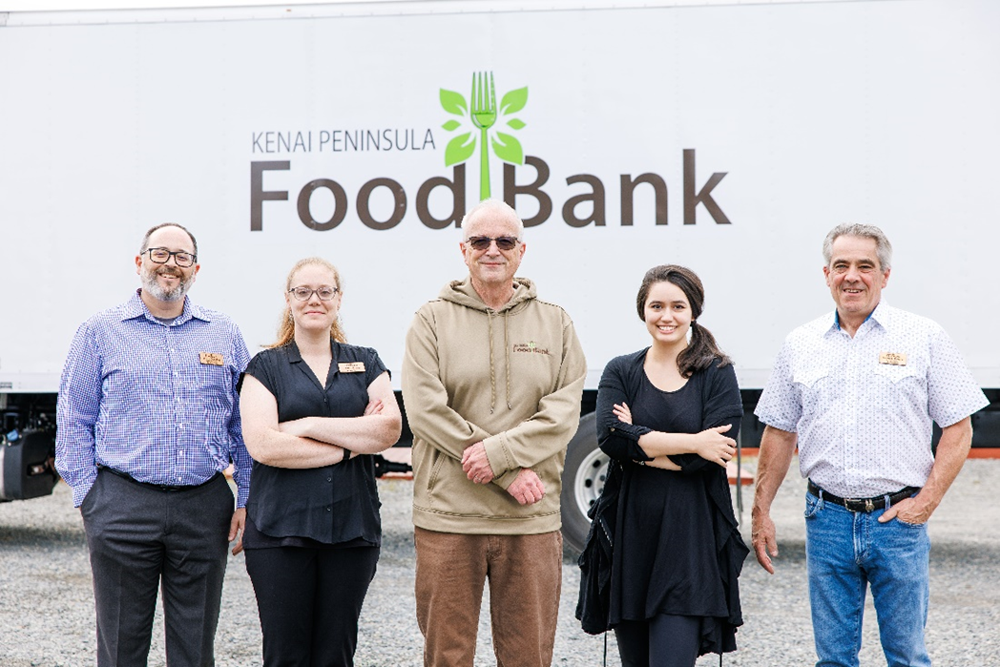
26 465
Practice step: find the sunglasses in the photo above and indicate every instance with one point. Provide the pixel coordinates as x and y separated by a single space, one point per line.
483 242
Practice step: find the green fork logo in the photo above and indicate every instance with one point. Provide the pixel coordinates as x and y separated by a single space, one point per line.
484 116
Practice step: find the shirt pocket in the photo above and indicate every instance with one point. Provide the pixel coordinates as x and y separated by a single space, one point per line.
209 384
901 385
208 396
812 385
897 374
809 376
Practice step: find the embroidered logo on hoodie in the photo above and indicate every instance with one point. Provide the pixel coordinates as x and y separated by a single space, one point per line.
530 347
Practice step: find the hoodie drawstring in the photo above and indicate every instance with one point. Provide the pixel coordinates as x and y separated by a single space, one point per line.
506 344
493 382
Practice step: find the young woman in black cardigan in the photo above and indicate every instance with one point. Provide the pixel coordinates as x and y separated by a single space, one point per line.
669 415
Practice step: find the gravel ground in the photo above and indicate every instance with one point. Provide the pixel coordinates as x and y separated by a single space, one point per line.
47 618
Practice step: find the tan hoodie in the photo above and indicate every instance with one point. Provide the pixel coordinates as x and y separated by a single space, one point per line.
512 378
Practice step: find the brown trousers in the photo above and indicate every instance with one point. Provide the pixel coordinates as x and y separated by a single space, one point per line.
525 575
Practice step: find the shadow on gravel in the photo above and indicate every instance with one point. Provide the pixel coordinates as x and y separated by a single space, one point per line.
943 553
40 536
971 552
789 552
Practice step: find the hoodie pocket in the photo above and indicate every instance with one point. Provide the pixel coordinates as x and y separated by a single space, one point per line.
436 463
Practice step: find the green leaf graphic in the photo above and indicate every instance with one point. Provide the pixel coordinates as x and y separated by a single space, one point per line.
513 101
510 150
451 125
453 102
459 151
516 123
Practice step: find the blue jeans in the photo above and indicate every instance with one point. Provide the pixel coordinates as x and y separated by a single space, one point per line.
845 552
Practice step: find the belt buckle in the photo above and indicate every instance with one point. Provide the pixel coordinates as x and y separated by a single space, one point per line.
857 505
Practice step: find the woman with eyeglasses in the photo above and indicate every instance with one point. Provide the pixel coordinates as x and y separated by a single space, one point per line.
668 415
312 407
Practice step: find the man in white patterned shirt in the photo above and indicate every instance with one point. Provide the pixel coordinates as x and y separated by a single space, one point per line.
858 390
148 418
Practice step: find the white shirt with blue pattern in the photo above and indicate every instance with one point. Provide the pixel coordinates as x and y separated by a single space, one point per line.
864 423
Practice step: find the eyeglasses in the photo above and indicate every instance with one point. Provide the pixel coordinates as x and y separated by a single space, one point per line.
483 242
304 293
162 256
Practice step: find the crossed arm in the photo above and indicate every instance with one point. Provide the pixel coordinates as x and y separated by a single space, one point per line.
527 487
505 459
709 444
314 442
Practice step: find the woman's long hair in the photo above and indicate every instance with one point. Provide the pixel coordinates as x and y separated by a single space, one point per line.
702 350
286 328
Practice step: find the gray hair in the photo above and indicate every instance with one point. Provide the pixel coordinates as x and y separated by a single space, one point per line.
145 239
883 249
495 206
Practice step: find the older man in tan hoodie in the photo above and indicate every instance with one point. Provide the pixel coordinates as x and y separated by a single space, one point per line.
492 381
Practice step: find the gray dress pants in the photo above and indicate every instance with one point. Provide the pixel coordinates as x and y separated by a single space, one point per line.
141 537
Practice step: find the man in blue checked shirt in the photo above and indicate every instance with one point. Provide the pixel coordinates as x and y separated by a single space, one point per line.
148 419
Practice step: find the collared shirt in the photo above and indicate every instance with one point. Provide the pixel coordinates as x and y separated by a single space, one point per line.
336 504
863 407
155 401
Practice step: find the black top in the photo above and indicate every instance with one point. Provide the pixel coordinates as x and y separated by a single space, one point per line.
332 505
677 548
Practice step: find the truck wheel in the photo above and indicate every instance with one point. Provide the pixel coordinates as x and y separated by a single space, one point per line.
582 482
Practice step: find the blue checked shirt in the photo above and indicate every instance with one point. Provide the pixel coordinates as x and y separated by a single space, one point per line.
155 401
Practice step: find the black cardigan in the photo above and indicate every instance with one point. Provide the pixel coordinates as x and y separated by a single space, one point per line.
658 567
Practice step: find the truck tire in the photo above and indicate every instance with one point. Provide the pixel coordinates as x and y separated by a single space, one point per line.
582 482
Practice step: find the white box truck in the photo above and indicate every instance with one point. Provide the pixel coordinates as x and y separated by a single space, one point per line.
725 136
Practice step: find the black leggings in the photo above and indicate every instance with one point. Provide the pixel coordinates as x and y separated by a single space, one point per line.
309 602
662 641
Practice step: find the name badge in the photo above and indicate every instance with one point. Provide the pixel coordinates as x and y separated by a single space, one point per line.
210 358
353 367
892 358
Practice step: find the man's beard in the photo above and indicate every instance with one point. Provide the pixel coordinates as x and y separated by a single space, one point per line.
150 285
